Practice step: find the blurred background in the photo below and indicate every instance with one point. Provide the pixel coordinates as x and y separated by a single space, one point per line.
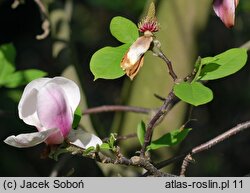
79 28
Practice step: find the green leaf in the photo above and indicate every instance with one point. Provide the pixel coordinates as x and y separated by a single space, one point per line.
169 139
224 64
198 65
141 130
112 140
207 60
124 30
193 93
9 52
7 59
89 150
23 77
105 146
105 63
77 117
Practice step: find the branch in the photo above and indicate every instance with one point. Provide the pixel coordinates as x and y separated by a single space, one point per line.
156 49
119 159
45 24
169 103
167 162
159 97
16 3
246 45
122 108
169 65
123 137
205 146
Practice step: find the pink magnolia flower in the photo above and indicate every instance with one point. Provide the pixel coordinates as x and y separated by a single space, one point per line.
49 105
225 10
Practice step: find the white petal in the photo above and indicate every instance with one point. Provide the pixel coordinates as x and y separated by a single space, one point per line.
83 139
71 90
29 139
27 105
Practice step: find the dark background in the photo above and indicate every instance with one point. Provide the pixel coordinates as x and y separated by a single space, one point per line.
89 32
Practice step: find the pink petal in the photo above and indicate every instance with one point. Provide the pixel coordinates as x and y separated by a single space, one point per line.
29 139
27 106
225 9
71 91
53 110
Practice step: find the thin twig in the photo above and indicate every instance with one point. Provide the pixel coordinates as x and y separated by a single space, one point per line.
205 146
167 162
188 159
156 49
160 97
246 45
123 137
169 65
112 108
16 3
45 22
169 103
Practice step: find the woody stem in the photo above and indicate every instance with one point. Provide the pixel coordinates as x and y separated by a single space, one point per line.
156 49
169 65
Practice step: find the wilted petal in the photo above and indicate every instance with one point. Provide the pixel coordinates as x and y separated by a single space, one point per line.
71 91
225 9
27 104
29 139
132 72
133 59
83 139
54 111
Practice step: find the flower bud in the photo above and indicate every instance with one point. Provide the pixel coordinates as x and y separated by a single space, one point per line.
225 10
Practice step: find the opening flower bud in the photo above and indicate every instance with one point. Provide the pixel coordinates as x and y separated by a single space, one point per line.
49 105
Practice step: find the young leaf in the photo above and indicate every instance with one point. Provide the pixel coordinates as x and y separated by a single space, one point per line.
89 150
23 77
105 146
193 93
112 140
124 30
169 139
141 130
224 64
77 117
105 63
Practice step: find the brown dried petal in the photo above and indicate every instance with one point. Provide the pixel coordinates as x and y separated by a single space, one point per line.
133 59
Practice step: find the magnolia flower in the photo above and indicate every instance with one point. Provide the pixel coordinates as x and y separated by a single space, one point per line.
49 105
225 10
132 61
